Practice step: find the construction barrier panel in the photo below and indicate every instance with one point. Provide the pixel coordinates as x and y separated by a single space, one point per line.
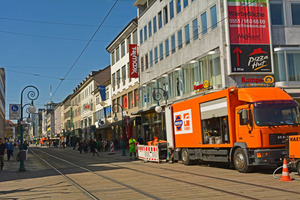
148 153
112 146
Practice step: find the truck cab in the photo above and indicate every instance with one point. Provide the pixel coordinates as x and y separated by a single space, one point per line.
262 129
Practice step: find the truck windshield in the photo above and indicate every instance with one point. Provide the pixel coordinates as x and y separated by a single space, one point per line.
276 113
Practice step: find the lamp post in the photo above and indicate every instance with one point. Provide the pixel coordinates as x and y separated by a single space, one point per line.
157 96
31 95
123 132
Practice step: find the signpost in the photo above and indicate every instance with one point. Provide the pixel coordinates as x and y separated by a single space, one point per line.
14 111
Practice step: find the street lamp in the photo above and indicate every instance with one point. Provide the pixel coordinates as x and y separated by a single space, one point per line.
123 132
31 95
157 96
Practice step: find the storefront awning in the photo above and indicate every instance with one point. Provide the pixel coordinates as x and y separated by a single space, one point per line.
144 111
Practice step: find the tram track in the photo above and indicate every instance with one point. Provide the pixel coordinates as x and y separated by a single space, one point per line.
195 184
89 194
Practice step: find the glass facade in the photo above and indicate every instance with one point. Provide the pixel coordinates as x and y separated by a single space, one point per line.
287 65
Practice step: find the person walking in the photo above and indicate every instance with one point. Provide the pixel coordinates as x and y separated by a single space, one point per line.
132 147
2 152
25 147
9 149
140 140
80 146
94 147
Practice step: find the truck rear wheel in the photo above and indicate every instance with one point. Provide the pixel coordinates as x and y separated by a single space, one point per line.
185 157
240 161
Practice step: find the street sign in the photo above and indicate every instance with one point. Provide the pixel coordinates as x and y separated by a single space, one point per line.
14 111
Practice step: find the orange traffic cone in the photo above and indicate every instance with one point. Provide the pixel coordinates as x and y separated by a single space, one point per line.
285 172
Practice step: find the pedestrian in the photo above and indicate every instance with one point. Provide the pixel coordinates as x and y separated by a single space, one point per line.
25 147
9 149
132 147
2 152
140 140
94 147
80 146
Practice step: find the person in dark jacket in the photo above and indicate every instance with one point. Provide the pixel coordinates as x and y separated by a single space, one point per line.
9 149
2 152
94 147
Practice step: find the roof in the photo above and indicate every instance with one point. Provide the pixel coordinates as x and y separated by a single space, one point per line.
262 94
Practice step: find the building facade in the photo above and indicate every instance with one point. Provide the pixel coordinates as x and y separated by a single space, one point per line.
188 48
2 102
124 88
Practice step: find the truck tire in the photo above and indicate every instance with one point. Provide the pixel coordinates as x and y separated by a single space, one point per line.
240 161
185 157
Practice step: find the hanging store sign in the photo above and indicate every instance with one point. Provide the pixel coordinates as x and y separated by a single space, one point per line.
250 58
249 35
133 61
202 87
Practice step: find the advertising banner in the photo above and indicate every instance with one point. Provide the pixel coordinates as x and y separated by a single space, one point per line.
249 35
133 61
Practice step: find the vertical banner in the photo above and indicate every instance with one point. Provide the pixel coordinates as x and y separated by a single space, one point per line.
102 92
133 61
249 35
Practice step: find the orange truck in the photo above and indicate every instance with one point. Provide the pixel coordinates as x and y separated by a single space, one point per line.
246 127
294 152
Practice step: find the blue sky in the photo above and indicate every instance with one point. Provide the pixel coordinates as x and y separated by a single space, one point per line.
41 39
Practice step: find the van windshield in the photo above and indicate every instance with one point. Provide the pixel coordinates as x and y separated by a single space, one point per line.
276 113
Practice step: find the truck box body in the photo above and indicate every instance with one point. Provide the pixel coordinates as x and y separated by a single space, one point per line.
216 124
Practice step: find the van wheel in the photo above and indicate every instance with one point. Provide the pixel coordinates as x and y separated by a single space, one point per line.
240 161
185 157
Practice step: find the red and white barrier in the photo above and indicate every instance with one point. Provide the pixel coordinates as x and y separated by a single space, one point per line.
148 153
111 146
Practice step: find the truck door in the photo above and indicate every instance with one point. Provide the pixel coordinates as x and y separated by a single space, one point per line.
244 126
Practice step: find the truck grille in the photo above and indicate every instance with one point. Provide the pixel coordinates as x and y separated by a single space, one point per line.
279 138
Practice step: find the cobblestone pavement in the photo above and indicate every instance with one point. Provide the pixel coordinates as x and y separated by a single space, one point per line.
117 177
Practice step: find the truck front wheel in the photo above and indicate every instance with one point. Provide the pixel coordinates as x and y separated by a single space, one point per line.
240 161
185 157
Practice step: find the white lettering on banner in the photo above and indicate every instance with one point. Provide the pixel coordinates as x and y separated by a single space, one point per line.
134 60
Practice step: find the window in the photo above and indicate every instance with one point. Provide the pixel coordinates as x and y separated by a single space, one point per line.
117 54
195 29
167 47
128 42
173 45
159 20
130 100
151 58
178 6
204 23
142 64
135 37
185 3
213 17
171 9
113 58
145 33
114 80
166 15
187 34
123 49
179 35
276 10
141 36
295 13
161 51
155 54
154 25
124 74
146 61
118 79
150 28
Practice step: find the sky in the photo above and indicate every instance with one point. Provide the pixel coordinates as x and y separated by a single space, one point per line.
40 41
